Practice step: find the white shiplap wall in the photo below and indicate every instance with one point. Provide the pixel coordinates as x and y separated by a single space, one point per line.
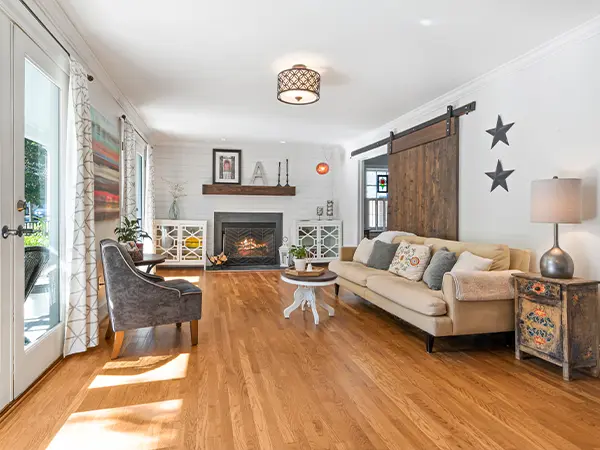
193 163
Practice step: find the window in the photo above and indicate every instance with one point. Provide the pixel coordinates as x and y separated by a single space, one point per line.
375 202
140 178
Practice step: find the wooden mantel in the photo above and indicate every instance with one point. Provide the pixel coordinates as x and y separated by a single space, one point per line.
236 189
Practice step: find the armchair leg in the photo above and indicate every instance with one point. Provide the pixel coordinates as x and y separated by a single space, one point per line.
178 324
337 289
117 344
429 343
109 330
194 331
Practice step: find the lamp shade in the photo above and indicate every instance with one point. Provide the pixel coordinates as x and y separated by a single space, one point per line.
556 201
298 85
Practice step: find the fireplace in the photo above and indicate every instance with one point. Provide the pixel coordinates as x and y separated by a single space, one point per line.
250 240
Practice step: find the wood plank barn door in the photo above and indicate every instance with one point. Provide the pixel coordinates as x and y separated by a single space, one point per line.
423 182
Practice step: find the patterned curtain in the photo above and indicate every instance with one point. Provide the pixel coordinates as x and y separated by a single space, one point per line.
149 197
81 327
128 208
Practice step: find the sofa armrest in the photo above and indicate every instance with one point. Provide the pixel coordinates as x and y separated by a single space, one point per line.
479 286
492 313
347 253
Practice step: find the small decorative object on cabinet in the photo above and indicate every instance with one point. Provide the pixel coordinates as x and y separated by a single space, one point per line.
319 212
177 190
330 209
181 241
322 238
557 320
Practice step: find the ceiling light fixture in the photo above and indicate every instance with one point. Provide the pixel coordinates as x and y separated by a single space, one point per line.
298 85
322 168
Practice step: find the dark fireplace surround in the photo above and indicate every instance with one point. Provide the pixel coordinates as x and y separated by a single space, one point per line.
250 240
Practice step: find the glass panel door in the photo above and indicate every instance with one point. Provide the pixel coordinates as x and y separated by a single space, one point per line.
6 207
40 93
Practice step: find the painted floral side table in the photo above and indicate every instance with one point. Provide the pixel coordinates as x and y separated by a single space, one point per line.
557 320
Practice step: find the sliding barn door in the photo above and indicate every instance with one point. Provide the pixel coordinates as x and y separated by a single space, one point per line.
423 182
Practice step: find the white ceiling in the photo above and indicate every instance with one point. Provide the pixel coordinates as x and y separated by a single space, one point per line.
199 69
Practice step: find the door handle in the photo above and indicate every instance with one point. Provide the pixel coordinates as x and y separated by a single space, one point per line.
20 231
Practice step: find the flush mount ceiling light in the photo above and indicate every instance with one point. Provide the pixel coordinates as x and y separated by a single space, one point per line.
298 85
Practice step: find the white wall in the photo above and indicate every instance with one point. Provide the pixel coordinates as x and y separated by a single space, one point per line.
553 96
192 163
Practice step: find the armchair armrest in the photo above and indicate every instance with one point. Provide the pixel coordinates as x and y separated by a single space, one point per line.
347 253
150 276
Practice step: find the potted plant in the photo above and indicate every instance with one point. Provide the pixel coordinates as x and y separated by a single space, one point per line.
131 231
300 253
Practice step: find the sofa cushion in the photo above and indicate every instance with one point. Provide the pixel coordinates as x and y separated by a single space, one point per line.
363 251
389 236
443 261
382 255
500 254
410 261
355 272
469 262
413 295
409 239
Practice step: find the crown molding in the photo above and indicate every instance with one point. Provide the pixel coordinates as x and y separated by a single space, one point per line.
57 21
579 34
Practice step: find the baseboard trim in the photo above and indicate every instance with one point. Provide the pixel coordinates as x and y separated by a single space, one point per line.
4 413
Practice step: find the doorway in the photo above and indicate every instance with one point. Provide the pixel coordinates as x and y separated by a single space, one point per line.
375 195
34 91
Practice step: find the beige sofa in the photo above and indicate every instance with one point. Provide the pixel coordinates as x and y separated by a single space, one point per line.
438 313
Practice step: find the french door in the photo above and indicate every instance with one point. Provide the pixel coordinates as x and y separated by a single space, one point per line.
31 208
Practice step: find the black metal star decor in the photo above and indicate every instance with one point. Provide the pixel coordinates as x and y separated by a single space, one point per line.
500 131
499 177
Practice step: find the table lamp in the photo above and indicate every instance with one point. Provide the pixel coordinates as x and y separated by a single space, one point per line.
556 201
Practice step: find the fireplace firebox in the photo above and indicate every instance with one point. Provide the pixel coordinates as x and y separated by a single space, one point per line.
250 240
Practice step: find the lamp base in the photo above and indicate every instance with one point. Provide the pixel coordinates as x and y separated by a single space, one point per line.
556 263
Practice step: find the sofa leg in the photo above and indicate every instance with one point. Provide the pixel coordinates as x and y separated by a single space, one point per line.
178 324
509 339
429 343
337 289
117 344
194 331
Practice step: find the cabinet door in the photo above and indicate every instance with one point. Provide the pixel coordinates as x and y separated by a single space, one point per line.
192 243
167 241
329 242
308 236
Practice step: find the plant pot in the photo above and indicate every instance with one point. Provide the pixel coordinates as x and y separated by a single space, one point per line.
300 264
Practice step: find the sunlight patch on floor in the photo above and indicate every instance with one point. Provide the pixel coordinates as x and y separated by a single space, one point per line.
147 426
167 369
192 280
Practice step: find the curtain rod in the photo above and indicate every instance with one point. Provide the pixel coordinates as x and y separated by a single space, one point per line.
35 16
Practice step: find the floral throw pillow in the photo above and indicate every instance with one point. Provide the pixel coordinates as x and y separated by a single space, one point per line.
411 261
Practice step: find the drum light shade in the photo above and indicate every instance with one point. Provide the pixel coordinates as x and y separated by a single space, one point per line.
557 200
322 168
298 85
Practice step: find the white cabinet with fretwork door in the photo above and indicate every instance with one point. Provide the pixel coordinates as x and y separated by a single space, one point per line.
322 238
183 242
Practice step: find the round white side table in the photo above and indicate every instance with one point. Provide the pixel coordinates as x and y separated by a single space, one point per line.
305 295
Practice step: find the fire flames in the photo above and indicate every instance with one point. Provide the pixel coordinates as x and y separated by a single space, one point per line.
250 247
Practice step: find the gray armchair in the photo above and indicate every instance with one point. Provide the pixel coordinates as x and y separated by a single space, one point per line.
137 299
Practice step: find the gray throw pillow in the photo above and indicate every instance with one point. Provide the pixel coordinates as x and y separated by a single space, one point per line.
382 255
443 261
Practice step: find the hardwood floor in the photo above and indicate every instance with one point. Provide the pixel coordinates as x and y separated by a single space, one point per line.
359 380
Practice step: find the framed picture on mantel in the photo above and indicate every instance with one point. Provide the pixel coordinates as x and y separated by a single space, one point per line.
227 166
